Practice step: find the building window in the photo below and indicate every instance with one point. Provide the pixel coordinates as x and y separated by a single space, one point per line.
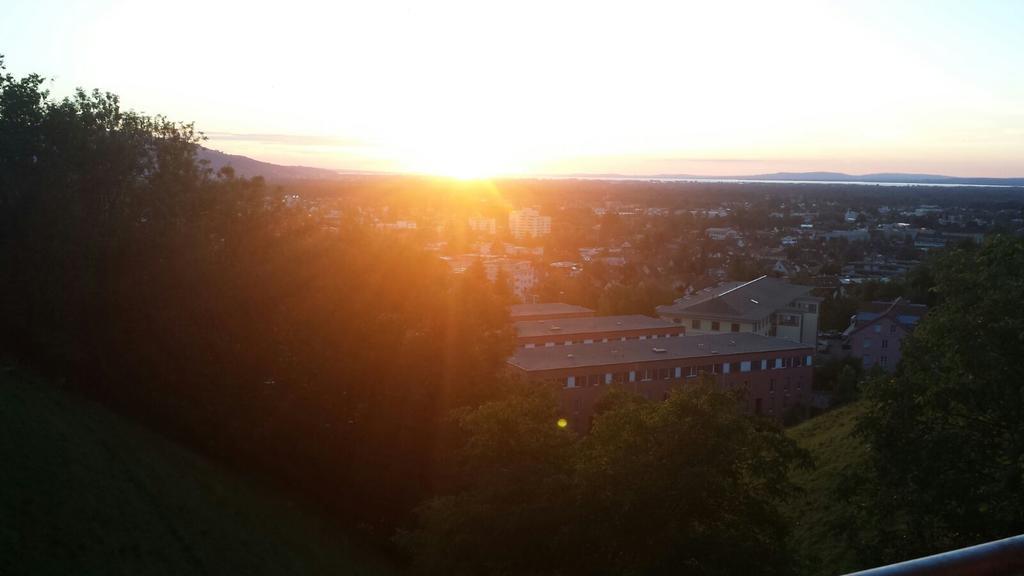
726 368
695 324
745 366
867 343
714 326
663 374
807 361
867 360
788 320
771 385
647 374
778 363
735 327
529 346
594 380
885 343
691 371
884 360
892 328
679 372
878 328
570 382
764 364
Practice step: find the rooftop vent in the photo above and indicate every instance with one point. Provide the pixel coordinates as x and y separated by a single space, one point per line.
555 328
754 301
732 342
659 350
714 351
568 355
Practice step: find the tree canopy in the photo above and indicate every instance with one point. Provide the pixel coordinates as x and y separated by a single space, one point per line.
945 432
690 484
325 359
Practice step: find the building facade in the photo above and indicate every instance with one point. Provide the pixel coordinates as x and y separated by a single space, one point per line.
528 223
765 306
877 331
773 374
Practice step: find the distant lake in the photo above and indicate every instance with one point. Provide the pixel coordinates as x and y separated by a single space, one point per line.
742 181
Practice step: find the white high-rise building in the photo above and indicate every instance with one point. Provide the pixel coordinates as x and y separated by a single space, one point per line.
528 223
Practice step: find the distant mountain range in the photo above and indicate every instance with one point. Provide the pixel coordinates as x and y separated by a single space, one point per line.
248 167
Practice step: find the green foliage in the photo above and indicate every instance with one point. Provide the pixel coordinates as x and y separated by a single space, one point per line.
689 484
85 492
825 534
836 312
945 431
202 305
846 387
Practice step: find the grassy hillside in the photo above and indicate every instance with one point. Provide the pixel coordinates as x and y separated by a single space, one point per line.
815 514
84 492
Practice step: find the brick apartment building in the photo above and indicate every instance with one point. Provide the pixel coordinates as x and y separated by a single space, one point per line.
877 331
589 330
766 306
775 373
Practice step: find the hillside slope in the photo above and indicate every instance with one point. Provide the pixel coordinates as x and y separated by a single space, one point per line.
248 167
816 515
85 492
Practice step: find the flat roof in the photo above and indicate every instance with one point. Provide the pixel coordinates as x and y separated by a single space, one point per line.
633 351
546 308
533 328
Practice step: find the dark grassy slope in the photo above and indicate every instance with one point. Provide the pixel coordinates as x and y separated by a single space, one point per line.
84 492
816 514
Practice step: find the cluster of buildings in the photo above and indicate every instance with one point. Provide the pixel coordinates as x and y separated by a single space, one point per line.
758 337
520 274
755 336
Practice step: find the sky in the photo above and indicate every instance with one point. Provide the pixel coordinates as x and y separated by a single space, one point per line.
481 88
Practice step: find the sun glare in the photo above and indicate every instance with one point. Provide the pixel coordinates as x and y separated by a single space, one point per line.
462 163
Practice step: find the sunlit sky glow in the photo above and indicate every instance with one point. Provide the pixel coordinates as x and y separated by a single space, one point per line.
485 88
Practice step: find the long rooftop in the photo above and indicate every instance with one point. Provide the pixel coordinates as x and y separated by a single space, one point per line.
751 300
594 324
633 351
517 311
